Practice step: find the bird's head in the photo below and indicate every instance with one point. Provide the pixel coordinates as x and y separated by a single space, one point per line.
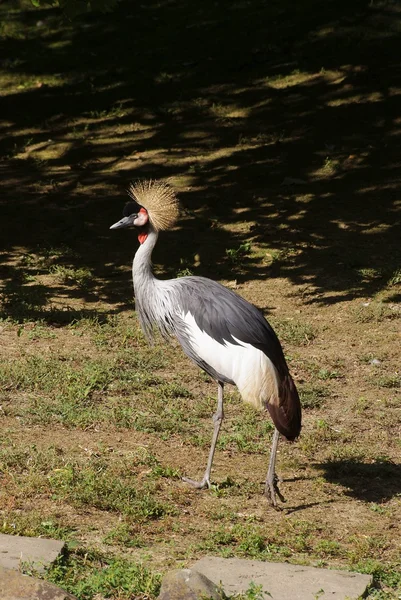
153 205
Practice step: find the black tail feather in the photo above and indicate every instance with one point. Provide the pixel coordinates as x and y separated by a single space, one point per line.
286 413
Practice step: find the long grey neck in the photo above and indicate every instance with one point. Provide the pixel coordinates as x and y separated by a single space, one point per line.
142 271
149 302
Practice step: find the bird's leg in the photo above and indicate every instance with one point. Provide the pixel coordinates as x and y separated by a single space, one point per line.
217 420
271 488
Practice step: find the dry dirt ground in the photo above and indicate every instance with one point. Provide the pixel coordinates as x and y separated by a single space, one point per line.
279 127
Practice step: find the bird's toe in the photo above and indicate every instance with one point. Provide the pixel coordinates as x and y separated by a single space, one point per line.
272 491
199 485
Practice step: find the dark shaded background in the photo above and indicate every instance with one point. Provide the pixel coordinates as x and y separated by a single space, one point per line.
282 113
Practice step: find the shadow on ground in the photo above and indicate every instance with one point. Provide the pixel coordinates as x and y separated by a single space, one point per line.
277 120
377 482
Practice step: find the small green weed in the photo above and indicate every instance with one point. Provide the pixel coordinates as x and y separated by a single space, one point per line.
369 273
361 405
254 592
185 272
390 381
328 374
395 278
236 256
377 508
313 395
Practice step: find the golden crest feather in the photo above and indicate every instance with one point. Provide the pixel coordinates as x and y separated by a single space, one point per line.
159 199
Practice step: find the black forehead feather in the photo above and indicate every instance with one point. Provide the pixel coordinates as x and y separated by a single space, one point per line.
131 208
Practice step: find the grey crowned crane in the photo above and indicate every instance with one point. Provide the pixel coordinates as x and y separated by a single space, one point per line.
222 333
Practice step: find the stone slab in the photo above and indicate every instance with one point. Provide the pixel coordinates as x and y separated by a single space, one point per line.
187 584
15 586
282 581
38 552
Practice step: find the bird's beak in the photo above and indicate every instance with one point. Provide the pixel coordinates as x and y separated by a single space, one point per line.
125 222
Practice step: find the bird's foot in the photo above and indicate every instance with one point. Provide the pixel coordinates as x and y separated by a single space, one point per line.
272 489
199 485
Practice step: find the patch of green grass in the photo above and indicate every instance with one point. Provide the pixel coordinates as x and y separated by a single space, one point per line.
123 535
390 381
81 277
165 409
313 395
111 332
108 491
361 405
348 452
260 139
38 331
373 358
79 391
164 77
250 432
321 435
247 540
100 481
331 165
328 548
17 148
365 548
165 471
87 573
386 577
333 369
25 469
62 388
34 525
12 29
369 273
292 331
374 312
45 258
173 390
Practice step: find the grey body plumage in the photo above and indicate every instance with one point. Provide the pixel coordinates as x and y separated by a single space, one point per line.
222 333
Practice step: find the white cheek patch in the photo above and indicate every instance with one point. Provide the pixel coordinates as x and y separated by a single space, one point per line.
142 218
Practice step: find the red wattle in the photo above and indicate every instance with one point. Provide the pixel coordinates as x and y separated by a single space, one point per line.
142 237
